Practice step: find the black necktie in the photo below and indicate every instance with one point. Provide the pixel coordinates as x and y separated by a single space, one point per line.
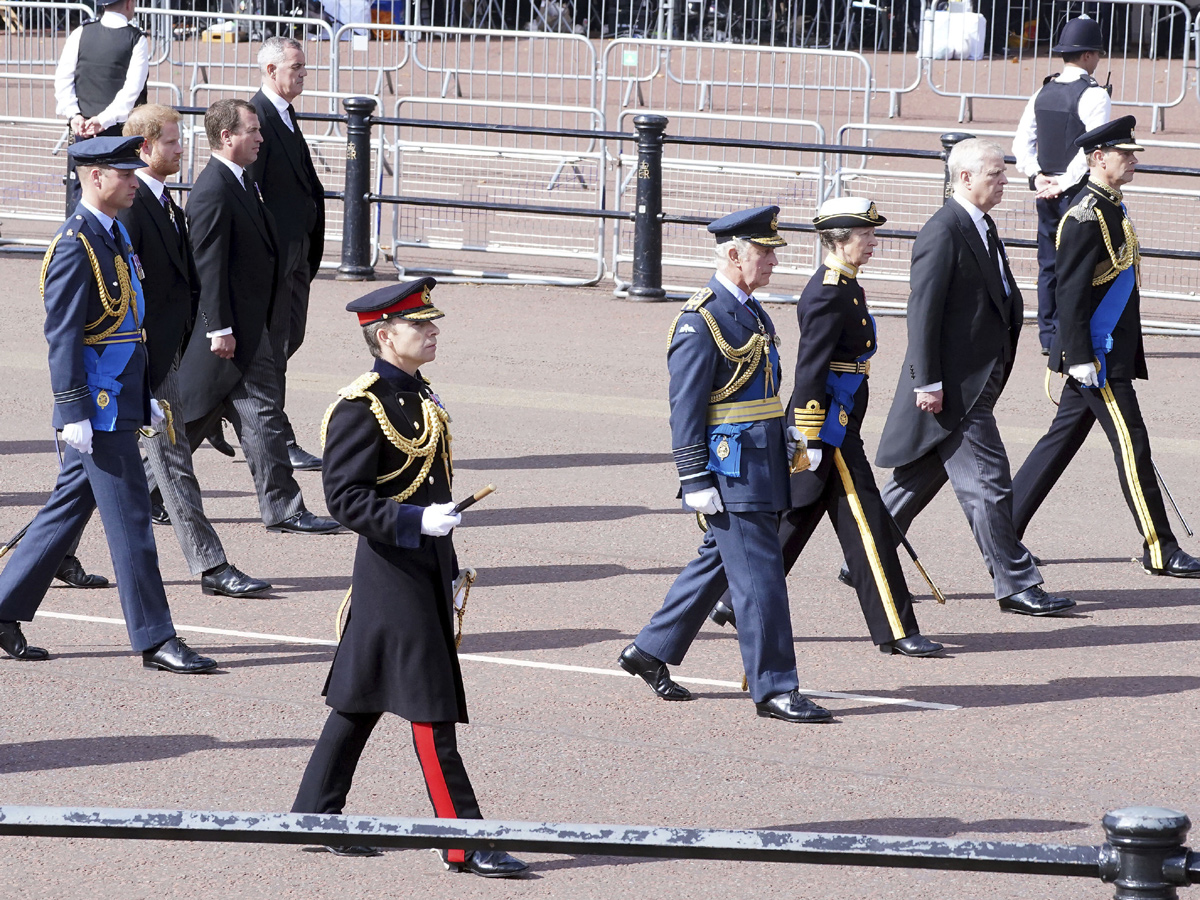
993 243
292 117
170 211
118 240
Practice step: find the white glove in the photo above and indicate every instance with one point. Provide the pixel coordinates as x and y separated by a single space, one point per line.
78 436
705 500
814 457
156 413
439 519
1086 374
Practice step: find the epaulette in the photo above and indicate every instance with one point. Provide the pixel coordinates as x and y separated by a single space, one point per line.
1083 211
1049 78
832 276
698 299
355 390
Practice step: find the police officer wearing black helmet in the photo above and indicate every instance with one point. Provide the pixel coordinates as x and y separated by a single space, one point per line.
1065 107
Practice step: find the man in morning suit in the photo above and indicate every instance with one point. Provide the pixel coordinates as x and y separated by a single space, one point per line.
727 431
228 368
964 319
91 285
295 196
388 478
158 233
1099 348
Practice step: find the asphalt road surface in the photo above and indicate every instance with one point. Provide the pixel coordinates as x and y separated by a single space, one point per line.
1028 729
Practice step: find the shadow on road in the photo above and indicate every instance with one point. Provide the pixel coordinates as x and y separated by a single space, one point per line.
498 576
565 461
544 515
73 753
538 639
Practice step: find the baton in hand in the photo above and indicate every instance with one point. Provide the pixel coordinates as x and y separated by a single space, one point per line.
474 498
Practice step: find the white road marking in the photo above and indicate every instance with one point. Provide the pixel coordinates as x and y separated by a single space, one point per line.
507 661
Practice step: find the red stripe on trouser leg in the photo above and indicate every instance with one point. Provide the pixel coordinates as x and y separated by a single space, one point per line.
435 781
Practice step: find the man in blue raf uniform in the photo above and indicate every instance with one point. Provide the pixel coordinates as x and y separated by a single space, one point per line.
94 307
727 431
1099 348
387 477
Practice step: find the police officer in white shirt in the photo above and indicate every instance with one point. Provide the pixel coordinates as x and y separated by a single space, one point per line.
1065 107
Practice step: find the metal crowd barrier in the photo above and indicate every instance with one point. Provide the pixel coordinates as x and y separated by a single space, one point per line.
1144 854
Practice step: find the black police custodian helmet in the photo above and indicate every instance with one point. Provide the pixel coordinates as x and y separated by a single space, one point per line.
754 225
1079 35
1117 135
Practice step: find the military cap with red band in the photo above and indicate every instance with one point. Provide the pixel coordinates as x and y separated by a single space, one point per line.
409 300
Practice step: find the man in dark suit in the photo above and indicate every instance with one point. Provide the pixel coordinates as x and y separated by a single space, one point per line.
1098 346
91 285
964 319
727 431
294 194
228 368
159 236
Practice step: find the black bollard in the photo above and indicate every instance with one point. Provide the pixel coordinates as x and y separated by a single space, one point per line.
948 141
356 222
1145 856
647 221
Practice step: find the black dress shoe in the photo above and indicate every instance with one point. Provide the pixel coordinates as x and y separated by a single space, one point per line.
653 672
1033 601
913 645
305 522
218 442
159 514
353 850
230 581
173 655
722 615
1180 565
793 707
488 864
844 577
12 642
302 460
72 574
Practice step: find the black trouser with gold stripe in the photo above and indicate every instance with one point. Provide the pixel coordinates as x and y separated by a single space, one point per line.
864 529
1116 407
330 771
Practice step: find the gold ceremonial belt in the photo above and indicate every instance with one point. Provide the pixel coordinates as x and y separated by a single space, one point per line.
123 337
854 368
745 411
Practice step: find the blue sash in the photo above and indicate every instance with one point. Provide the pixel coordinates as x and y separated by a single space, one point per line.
841 388
103 363
1106 316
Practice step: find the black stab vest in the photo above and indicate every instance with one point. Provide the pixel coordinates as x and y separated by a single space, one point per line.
104 55
1056 112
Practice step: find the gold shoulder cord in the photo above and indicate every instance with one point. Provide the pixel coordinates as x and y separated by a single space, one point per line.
116 308
746 358
1130 254
434 426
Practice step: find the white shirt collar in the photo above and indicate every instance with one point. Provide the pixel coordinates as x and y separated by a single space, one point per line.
974 211
156 186
742 296
106 222
1072 72
112 19
278 102
233 167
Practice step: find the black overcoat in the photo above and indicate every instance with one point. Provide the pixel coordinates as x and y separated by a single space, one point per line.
170 282
960 323
397 651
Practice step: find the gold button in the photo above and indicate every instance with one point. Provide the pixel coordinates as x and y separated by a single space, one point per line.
431 479
856 301
864 321
401 399
868 343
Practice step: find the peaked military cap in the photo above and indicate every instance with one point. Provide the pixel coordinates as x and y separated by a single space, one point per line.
1079 35
754 225
1117 135
847 212
409 300
113 152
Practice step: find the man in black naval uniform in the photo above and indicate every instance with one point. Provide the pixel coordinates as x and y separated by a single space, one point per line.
101 77
94 308
727 431
1064 107
829 400
387 477
1099 348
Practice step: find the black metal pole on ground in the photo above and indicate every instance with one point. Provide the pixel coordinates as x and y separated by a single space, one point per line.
356 224
948 141
1145 855
647 222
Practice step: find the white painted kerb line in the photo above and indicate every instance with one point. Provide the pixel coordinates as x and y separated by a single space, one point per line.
507 661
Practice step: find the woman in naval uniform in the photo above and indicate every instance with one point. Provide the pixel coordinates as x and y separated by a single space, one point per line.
387 477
